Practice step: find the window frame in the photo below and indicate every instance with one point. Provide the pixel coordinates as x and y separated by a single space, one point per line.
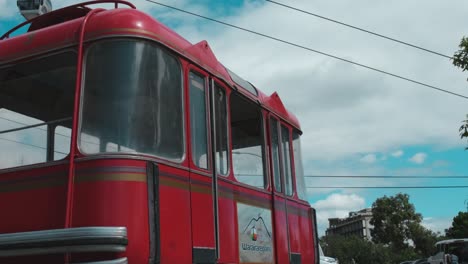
197 71
297 131
280 162
168 52
264 143
30 58
291 165
213 84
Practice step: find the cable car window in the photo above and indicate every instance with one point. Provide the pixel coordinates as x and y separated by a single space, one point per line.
243 83
248 157
198 124
220 108
287 169
132 97
275 154
62 141
38 92
298 167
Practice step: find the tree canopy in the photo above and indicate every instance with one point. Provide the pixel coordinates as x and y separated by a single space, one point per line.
459 228
392 218
460 60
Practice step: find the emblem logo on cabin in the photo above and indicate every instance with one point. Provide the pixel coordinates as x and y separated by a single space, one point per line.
255 237
253 233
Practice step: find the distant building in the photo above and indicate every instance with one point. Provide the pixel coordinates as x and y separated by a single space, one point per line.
357 223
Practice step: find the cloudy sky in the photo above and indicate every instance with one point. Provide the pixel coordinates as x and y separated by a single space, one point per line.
355 121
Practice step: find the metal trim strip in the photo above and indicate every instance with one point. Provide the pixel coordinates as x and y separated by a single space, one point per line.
80 239
115 261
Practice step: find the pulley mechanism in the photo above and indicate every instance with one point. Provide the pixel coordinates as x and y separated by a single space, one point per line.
33 8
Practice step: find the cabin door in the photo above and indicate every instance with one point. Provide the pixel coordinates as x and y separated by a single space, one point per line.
282 187
202 191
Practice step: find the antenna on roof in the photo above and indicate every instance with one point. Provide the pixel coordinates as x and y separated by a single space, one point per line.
33 8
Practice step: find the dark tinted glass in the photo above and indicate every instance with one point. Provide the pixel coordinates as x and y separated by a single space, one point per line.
247 142
132 100
38 91
275 150
198 125
287 169
221 130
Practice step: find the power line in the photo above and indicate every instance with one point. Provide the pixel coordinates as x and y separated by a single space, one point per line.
31 126
389 187
367 177
361 29
31 145
387 177
312 50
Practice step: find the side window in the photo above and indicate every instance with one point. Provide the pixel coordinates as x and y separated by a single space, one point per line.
21 144
62 141
287 169
298 168
198 124
275 152
220 111
248 157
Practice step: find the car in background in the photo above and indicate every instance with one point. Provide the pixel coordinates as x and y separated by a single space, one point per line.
326 260
420 261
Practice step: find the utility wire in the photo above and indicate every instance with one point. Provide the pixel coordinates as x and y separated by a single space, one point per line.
389 187
26 126
361 29
31 145
366 177
387 177
312 50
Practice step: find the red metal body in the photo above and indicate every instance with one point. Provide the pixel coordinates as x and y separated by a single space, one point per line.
166 206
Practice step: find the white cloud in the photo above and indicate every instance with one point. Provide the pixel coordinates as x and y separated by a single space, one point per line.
345 110
418 158
336 205
437 224
398 153
369 158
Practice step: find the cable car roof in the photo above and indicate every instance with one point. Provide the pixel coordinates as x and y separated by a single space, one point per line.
59 28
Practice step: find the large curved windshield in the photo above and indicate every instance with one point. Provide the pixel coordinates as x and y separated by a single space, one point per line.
132 100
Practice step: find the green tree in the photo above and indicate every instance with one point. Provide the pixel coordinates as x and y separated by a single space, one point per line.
423 240
392 218
459 228
355 250
460 60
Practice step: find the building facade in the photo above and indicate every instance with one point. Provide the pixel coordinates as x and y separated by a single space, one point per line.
357 224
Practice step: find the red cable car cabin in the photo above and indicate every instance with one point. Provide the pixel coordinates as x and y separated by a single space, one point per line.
123 142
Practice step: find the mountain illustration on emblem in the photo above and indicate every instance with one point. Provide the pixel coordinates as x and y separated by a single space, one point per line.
253 231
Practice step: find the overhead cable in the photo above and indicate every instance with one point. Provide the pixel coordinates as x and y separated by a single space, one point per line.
390 187
31 145
312 50
361 29
387 177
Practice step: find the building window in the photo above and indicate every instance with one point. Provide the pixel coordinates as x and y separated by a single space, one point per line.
248 157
